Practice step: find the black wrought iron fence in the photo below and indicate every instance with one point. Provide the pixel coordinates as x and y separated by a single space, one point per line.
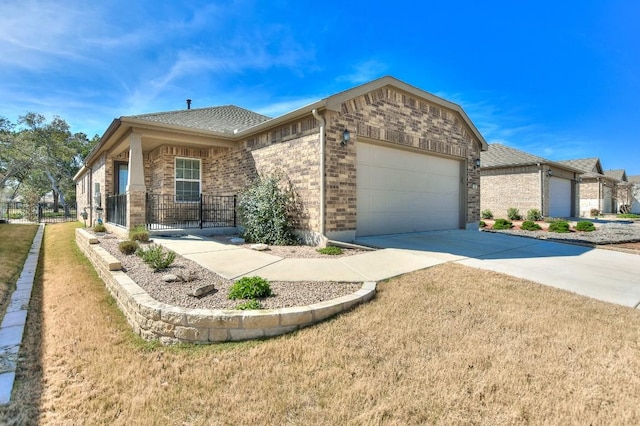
17 212
117 209
209 211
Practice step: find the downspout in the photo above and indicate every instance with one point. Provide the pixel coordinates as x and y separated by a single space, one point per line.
322 166
541 189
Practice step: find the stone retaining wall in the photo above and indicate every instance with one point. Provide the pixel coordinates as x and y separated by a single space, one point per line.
172 324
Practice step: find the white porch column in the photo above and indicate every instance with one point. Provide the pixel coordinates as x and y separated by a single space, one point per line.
136 189
136 164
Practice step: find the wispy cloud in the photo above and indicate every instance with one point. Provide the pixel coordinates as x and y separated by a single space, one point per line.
499 121
365 71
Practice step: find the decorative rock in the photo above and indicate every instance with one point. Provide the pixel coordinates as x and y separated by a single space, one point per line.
259 247
236 240
169 278
201 291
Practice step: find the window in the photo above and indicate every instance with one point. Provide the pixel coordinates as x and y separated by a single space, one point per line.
122 178
187 180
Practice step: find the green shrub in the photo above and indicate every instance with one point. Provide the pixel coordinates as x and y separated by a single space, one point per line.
249 305
330 250
128 247
250 288
534 214
15 216
502 224
139 233
595 212
486 214
99 227
156 257
482 224
513 214
264 209
529 225
559 226
585 226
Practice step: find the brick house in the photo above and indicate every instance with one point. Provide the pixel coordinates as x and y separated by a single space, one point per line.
602 190
409 165
510 178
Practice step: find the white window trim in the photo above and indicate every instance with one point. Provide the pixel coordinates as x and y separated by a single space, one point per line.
175 178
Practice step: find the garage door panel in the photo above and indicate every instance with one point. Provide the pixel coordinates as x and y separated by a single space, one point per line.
559 197
401 191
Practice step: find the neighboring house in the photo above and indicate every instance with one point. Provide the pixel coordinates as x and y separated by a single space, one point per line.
634 181
510 178
622 189
597 190
410 164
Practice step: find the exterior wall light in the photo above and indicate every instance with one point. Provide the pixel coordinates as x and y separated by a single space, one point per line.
346 136
549 173
477 163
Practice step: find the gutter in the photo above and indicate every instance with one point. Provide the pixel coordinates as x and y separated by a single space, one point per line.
322 166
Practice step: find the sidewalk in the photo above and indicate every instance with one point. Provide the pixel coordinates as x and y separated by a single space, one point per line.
232 262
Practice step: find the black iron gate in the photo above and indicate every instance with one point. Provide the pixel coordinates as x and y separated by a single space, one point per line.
17 212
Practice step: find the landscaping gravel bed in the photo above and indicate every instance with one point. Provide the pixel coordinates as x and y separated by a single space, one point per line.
605 233
286 294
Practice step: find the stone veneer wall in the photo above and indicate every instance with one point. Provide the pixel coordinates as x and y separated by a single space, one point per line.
154 320
517 187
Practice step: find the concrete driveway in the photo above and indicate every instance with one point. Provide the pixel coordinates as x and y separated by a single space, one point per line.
601 274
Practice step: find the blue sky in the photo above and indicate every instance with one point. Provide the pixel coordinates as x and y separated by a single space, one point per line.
559 79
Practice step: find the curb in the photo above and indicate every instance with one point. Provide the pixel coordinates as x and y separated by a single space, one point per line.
15 319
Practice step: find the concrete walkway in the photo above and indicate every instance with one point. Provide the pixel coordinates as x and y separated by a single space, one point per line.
602 274
15 319
233 262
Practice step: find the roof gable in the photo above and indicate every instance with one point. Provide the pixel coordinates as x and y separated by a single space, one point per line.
335 102
587 165
619 174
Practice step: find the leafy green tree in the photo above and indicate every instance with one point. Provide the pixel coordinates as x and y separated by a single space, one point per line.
40 156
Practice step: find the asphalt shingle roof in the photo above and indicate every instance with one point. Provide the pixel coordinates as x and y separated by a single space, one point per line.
634 179
587 165
499 155
619 174
223 119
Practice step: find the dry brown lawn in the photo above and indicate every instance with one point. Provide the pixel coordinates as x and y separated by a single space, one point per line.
446 345
15 242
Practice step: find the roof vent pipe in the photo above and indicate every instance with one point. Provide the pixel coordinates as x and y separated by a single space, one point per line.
188 103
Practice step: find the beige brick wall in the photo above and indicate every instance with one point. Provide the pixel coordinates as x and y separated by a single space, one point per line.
517 187
396 118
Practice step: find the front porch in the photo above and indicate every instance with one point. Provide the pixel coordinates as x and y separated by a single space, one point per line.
162 212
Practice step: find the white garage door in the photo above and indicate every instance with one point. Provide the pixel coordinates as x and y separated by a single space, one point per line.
559 197
400 191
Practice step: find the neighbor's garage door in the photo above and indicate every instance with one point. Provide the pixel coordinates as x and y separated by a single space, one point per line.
559 197
402 191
